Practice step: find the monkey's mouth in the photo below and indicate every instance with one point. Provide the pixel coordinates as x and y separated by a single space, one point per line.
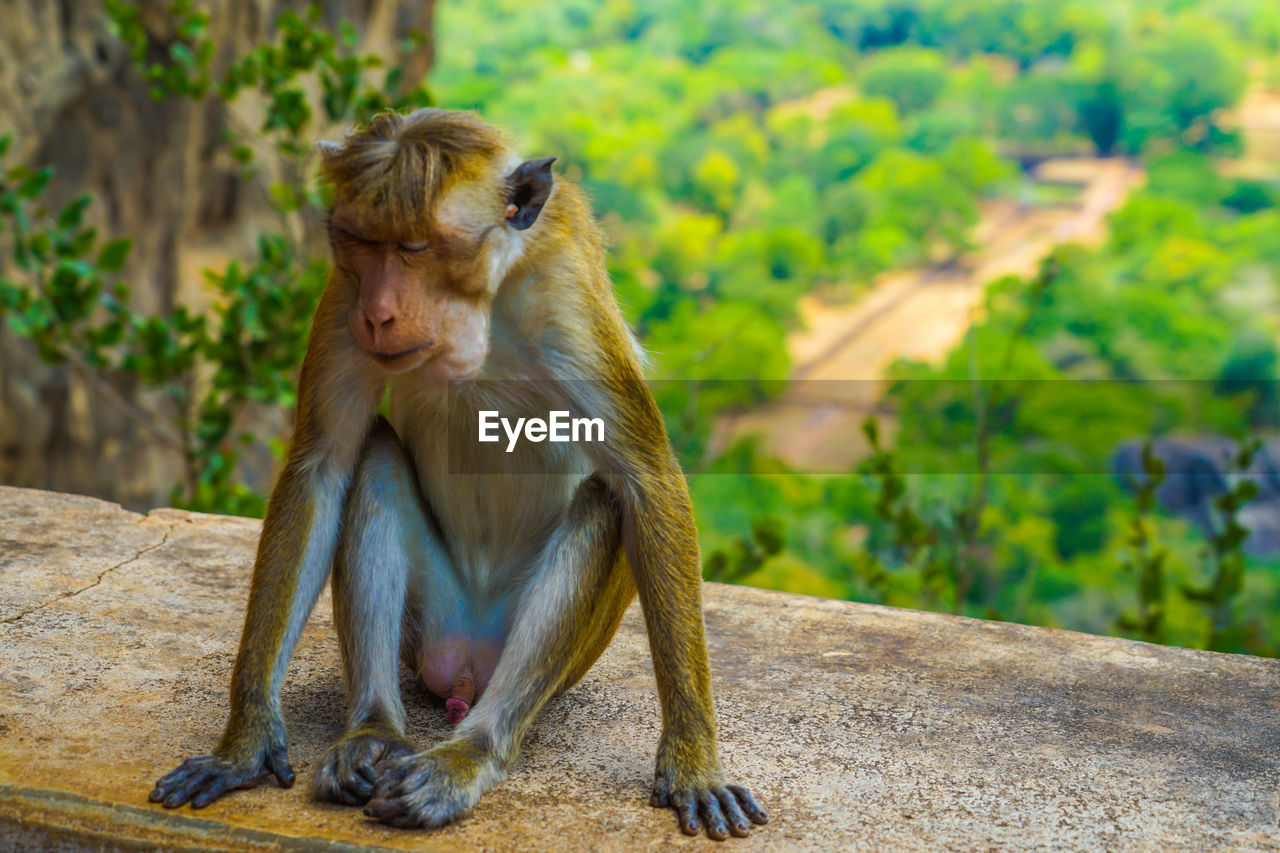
387 357
393 360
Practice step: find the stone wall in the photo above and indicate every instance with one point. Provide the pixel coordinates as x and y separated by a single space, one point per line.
858 727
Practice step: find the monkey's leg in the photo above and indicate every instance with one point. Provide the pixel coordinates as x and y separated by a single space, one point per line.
571 607
338 395
384 527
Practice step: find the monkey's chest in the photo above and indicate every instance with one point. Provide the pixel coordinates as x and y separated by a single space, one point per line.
495 502
495 527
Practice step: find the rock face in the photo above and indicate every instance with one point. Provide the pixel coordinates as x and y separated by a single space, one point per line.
71 99
859 727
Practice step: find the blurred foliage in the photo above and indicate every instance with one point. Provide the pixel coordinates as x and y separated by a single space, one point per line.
745 154
1144 559
1226 564
210 368
1167 329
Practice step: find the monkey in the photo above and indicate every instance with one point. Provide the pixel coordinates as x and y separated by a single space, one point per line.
465 278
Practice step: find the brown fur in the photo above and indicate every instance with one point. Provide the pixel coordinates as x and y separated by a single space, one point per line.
398 165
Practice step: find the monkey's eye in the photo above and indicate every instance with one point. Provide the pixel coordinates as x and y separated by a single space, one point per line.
412 248
351 237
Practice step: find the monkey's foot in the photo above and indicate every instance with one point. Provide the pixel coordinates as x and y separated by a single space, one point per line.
352 766
723 810
204 778
434 787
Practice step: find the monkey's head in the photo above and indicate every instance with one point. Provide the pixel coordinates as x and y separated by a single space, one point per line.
431 212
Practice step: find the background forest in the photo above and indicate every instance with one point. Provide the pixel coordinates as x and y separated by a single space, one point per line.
966 305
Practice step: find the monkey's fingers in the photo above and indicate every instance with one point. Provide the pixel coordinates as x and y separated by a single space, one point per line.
416 792
278 764
739 824
749 804
359 776
401 776
712 817
167 783
686 808
386 808
204 778
414 810
180 785
188 783
221 782
348 785
373 766
341 777
721 810
397 813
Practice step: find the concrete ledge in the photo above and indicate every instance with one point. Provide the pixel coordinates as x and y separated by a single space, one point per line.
857 726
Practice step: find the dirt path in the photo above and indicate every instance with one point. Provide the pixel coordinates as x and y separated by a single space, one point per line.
1258 119
844 348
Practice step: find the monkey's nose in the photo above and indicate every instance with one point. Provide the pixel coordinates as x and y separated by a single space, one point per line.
378 322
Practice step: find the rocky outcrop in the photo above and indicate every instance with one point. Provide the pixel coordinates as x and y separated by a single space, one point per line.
860 727
70 97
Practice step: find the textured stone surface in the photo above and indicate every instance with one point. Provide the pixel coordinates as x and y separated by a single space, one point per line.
858 726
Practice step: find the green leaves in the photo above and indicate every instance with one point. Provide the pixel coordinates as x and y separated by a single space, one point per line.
288 111
72 215
66 295
1144 559
1225 560
912 77
114 254
185 70
31 183
746 555
305 50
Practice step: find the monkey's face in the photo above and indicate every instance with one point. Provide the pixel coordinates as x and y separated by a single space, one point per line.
423 292
422 297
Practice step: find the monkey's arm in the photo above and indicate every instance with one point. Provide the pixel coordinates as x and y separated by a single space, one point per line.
661 544
336 403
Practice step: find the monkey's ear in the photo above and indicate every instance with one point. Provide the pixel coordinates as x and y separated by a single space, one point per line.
528 188
328 149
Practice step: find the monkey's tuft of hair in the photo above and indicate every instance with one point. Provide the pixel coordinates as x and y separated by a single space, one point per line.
398 164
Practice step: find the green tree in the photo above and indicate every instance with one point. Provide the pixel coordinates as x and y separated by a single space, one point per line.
1175 83
911 77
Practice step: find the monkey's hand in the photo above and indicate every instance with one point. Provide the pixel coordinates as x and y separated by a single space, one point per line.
434 787
352 766
722 809
204 778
